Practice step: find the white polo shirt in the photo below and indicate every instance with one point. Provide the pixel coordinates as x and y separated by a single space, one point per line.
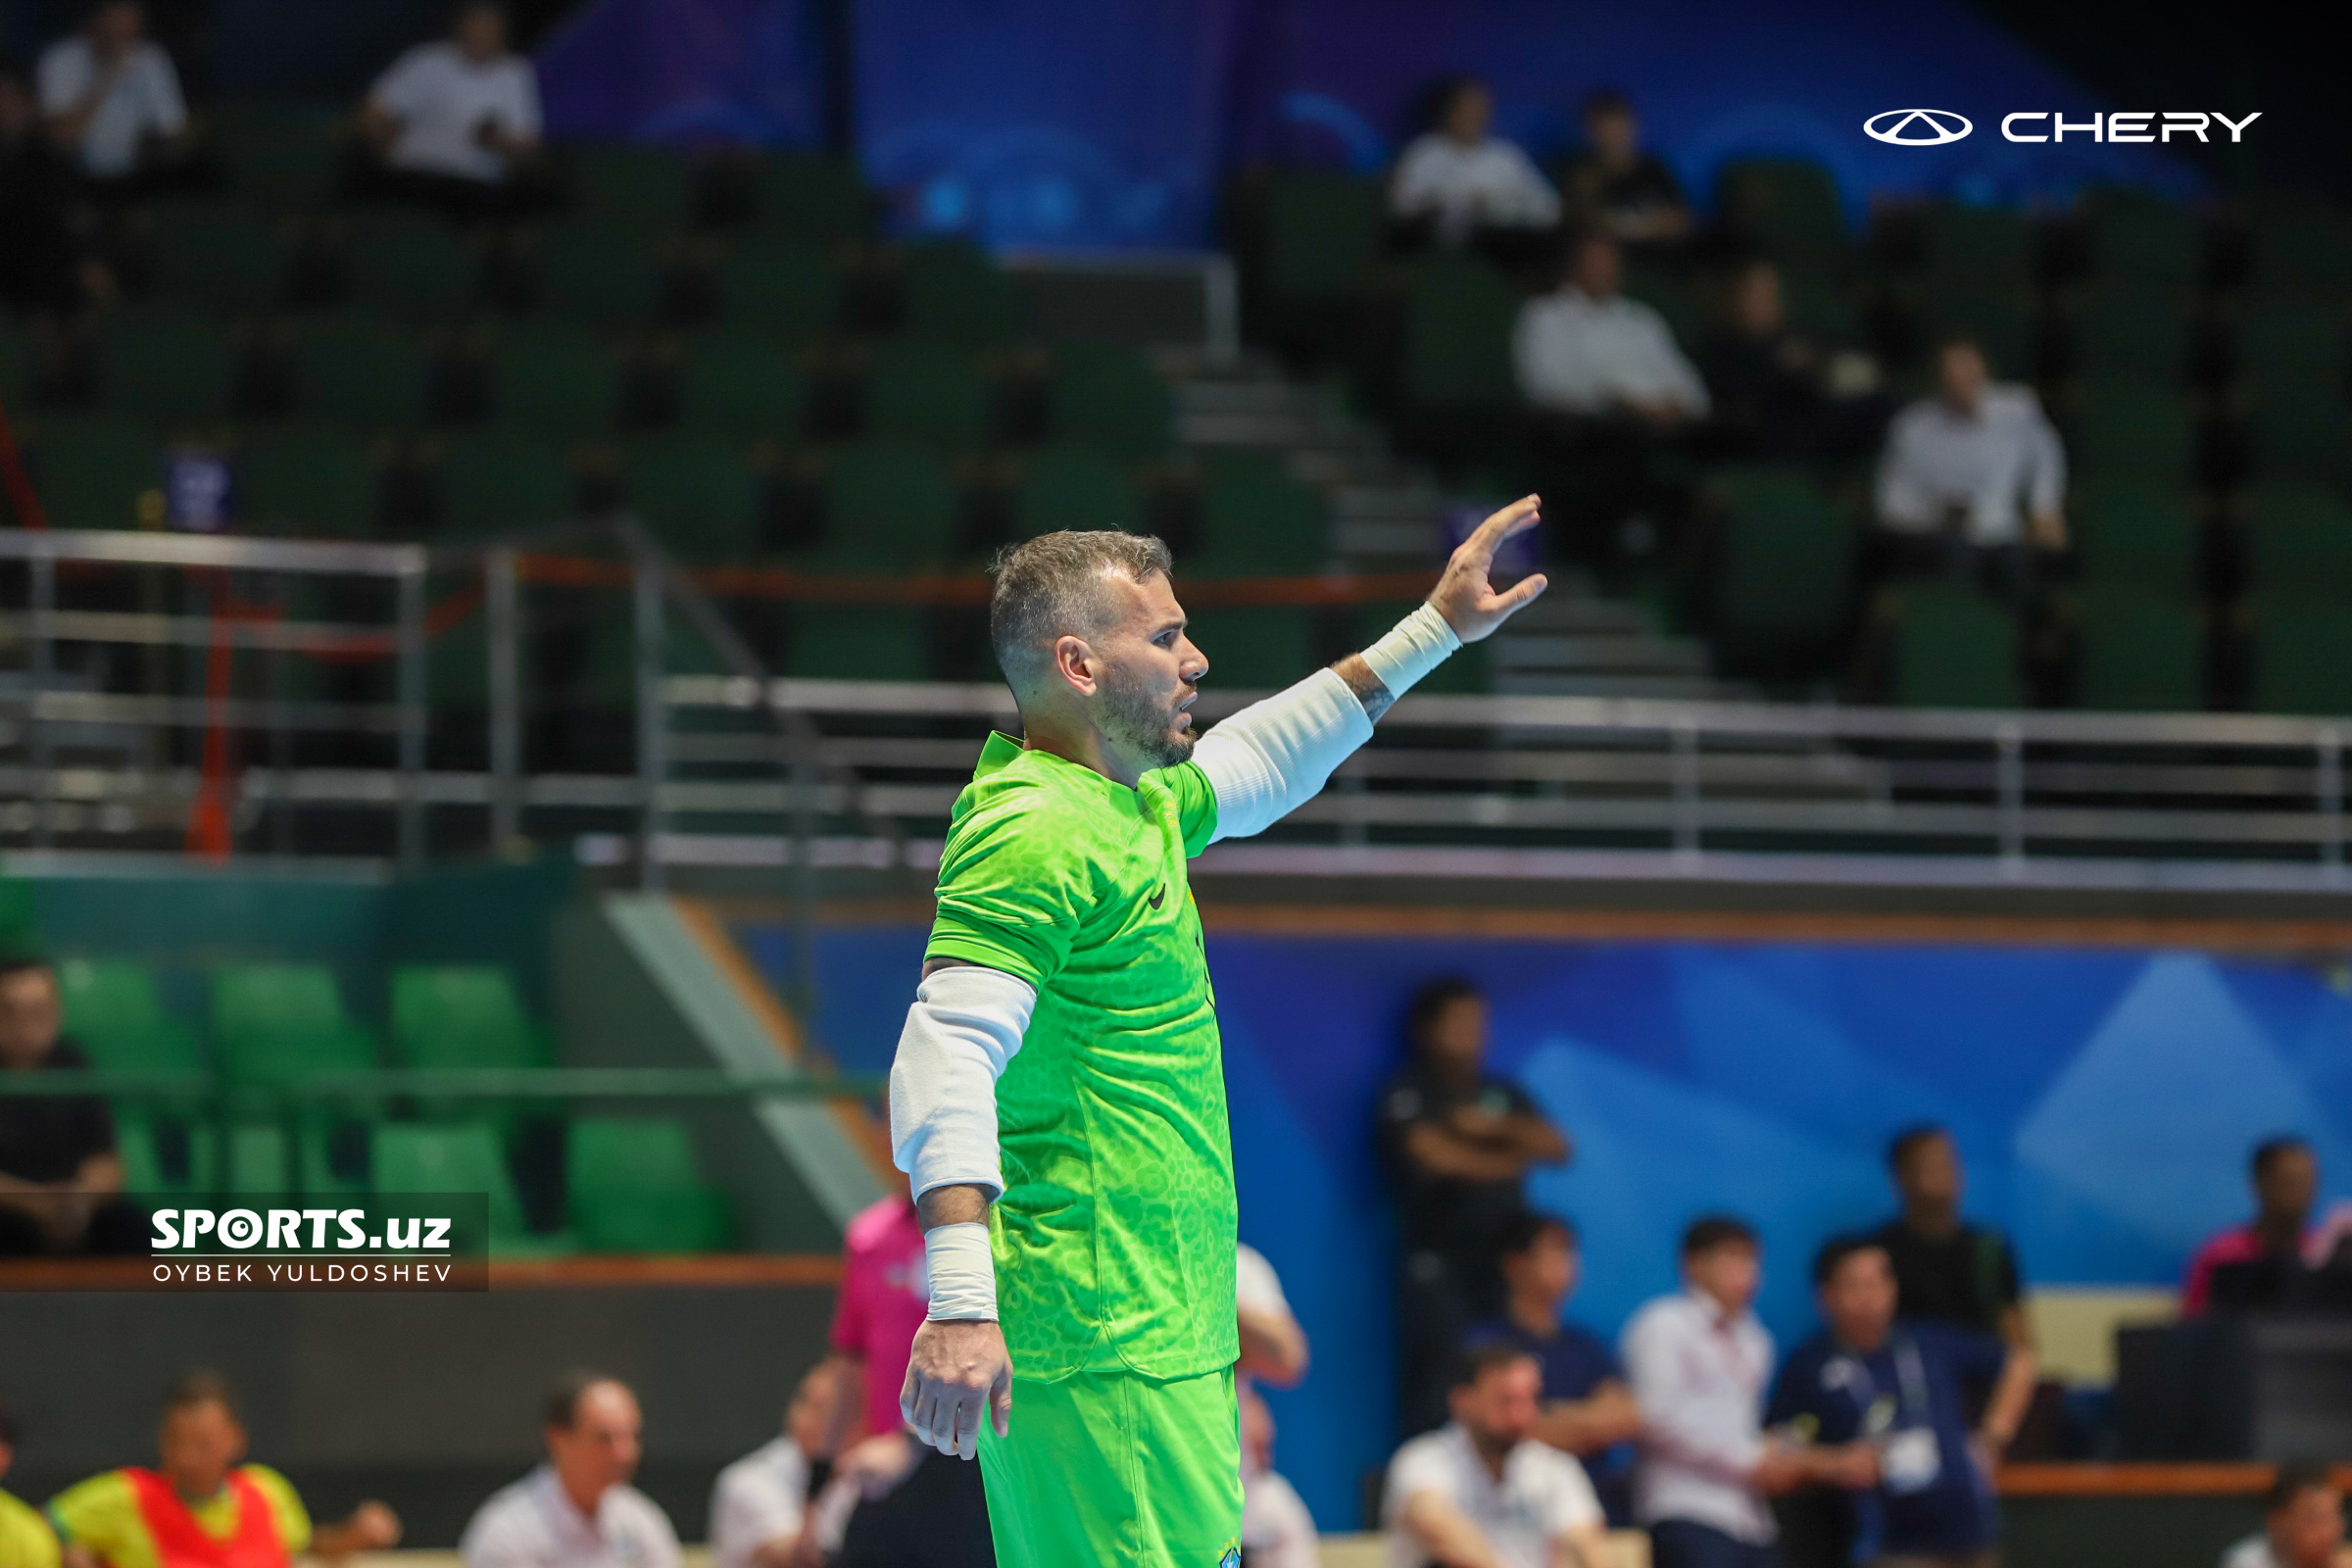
1542 1494
533 1524
144 100
1465 188
759 1498
441 97
1698 1374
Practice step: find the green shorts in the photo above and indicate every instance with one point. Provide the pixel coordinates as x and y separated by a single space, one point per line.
1108 1468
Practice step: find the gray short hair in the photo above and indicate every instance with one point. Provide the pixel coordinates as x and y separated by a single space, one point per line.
1050 587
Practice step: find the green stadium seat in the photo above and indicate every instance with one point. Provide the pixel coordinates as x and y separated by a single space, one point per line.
278 157
168 369
781 290
743 385
1668 291
1785 573
2129 330
633 1187
2139 649
499 481
2134 430
2302 249
2300 435
359 370
218 257
889 507
640 188
453 1016
2131 530
2301 534
805 197
96 474
411 268
554 379
929 392
1323 235
955 293
1954 649
112 1012
1789 205
1252 647
1111 398
1459 316
1256 520
455 1158
1817 304
1979 247
859 641
2296 345
697 494
276 1022
316 483
138 1147
1075 487
2140 237
597 273
2302 650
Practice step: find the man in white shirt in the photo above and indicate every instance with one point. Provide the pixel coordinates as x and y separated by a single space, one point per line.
1461 179
577 1510
1976 467
760 1508
1481 1492
2303 1524
457 120
1584 349
1277 1530
1700 1364
111 95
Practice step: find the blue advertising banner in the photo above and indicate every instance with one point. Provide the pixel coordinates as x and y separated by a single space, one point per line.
738 72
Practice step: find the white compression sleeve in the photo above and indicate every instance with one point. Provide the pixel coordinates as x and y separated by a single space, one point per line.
967 1023
1415 646
1273 756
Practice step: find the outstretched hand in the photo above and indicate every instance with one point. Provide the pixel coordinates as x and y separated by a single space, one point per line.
1466 596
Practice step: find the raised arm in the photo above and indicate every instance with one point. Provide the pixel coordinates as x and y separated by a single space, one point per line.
1446 1533
1273 756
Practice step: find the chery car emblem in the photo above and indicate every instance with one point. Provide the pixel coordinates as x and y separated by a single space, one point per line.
1917 127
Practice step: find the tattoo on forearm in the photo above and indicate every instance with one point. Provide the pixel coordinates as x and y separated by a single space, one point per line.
1369 691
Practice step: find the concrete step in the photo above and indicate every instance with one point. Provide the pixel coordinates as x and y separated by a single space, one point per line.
1631 655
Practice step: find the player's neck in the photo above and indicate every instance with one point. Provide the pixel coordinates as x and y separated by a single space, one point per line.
1080 743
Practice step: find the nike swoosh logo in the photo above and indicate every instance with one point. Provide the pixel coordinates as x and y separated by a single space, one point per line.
1159 898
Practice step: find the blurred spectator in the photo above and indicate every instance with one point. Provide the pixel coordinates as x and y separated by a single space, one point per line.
2287 1183
60 1176
914 1506
457 122
1971 478
2303 1524
1615 186
1780 393
1273 1345
113 100
1458 1144
761 1513
25 1538
1588 1409
577 1510
202 1502
1277 1531
1460 179
1586 349
1895 1394
46 263
1946 1270
1700 1361
1483 1490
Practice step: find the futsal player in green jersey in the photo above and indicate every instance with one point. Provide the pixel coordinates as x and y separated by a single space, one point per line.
1057 1099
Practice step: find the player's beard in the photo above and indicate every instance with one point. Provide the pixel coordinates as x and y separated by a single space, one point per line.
1134 718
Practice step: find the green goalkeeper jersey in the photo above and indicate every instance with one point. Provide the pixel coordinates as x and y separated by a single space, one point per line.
1114 1236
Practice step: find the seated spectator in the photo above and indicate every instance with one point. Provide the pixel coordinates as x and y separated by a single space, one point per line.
1461 179
760 1508
1699 1362
2287 1183
47 265
113 102
201 1491
578 1509
1894 1394
60 1176
1971 479
25 1538
2303 1524
457 124
1587 1409
1483 1490
1458 1144
1586 349
1273 1345
1615 186
1777 392
1946 1270
1277 1531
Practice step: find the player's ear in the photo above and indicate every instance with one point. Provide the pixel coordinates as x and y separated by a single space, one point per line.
1075 663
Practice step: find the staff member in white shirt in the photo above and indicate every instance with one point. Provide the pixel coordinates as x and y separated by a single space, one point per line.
457 121
1974 468
1461 179
1481 1492
1699 1362
577 1510
1584 349
111 95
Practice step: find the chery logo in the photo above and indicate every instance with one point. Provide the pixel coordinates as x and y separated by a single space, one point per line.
1917 127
